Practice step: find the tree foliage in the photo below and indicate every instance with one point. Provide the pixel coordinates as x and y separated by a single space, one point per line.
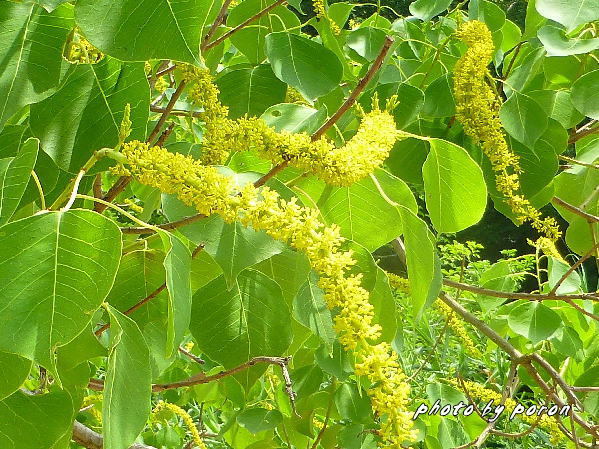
245 224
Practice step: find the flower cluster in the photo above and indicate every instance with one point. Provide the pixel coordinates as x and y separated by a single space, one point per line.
82 52
321 12
402 285
457 327
478 392
213 193
364 152
477 108
199 443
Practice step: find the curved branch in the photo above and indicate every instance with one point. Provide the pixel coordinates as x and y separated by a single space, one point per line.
576 210
86 437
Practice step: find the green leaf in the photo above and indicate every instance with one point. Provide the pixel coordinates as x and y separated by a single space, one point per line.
233 325
367 42
31 45
177 265
60 266
294 118
39 421
451 434
410 103
585 95
382 299
487 12
523 118
424 267
128 384
362 213
558 44
353 404
567 341
251 90
91 102
290 269
499 277
15 370
232 245
14 176
259 419
558 105
454 187
425 10
555 270
534 320
250 40
569 13
139 30
304 64
438 98
310 309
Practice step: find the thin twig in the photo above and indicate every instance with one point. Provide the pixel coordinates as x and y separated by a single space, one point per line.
324 425
217 22
577 162
519 295
575 210
193 357
583 133
167 111
243 24
86 437
578 263
201 378
167 132
166 226
176 112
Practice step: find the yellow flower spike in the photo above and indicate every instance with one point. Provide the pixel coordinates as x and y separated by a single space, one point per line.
364 152
477 108
213 193
321 13
197 439
81 51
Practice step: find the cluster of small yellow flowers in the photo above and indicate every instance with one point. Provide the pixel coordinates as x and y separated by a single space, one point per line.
133 205
293 96
457 327
82 52
89 404
389 394
263 209
478 392
548 248
321 12
402 285
218 128
161 84
186 419
342 166
477 108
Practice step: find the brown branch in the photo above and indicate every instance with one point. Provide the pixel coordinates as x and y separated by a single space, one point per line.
86 437
324 425
376 65
201 378
577 162
578 263
167 111
148 298
193 357
575 210
217 22
97 187
134 307
166 226
528 296
243 24
176 112
583 132
167 132
124 181
348 103
165 71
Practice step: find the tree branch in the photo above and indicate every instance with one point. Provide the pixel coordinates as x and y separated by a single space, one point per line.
529 296
217 22
243 24
86 437
166 226
201 378
575 210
